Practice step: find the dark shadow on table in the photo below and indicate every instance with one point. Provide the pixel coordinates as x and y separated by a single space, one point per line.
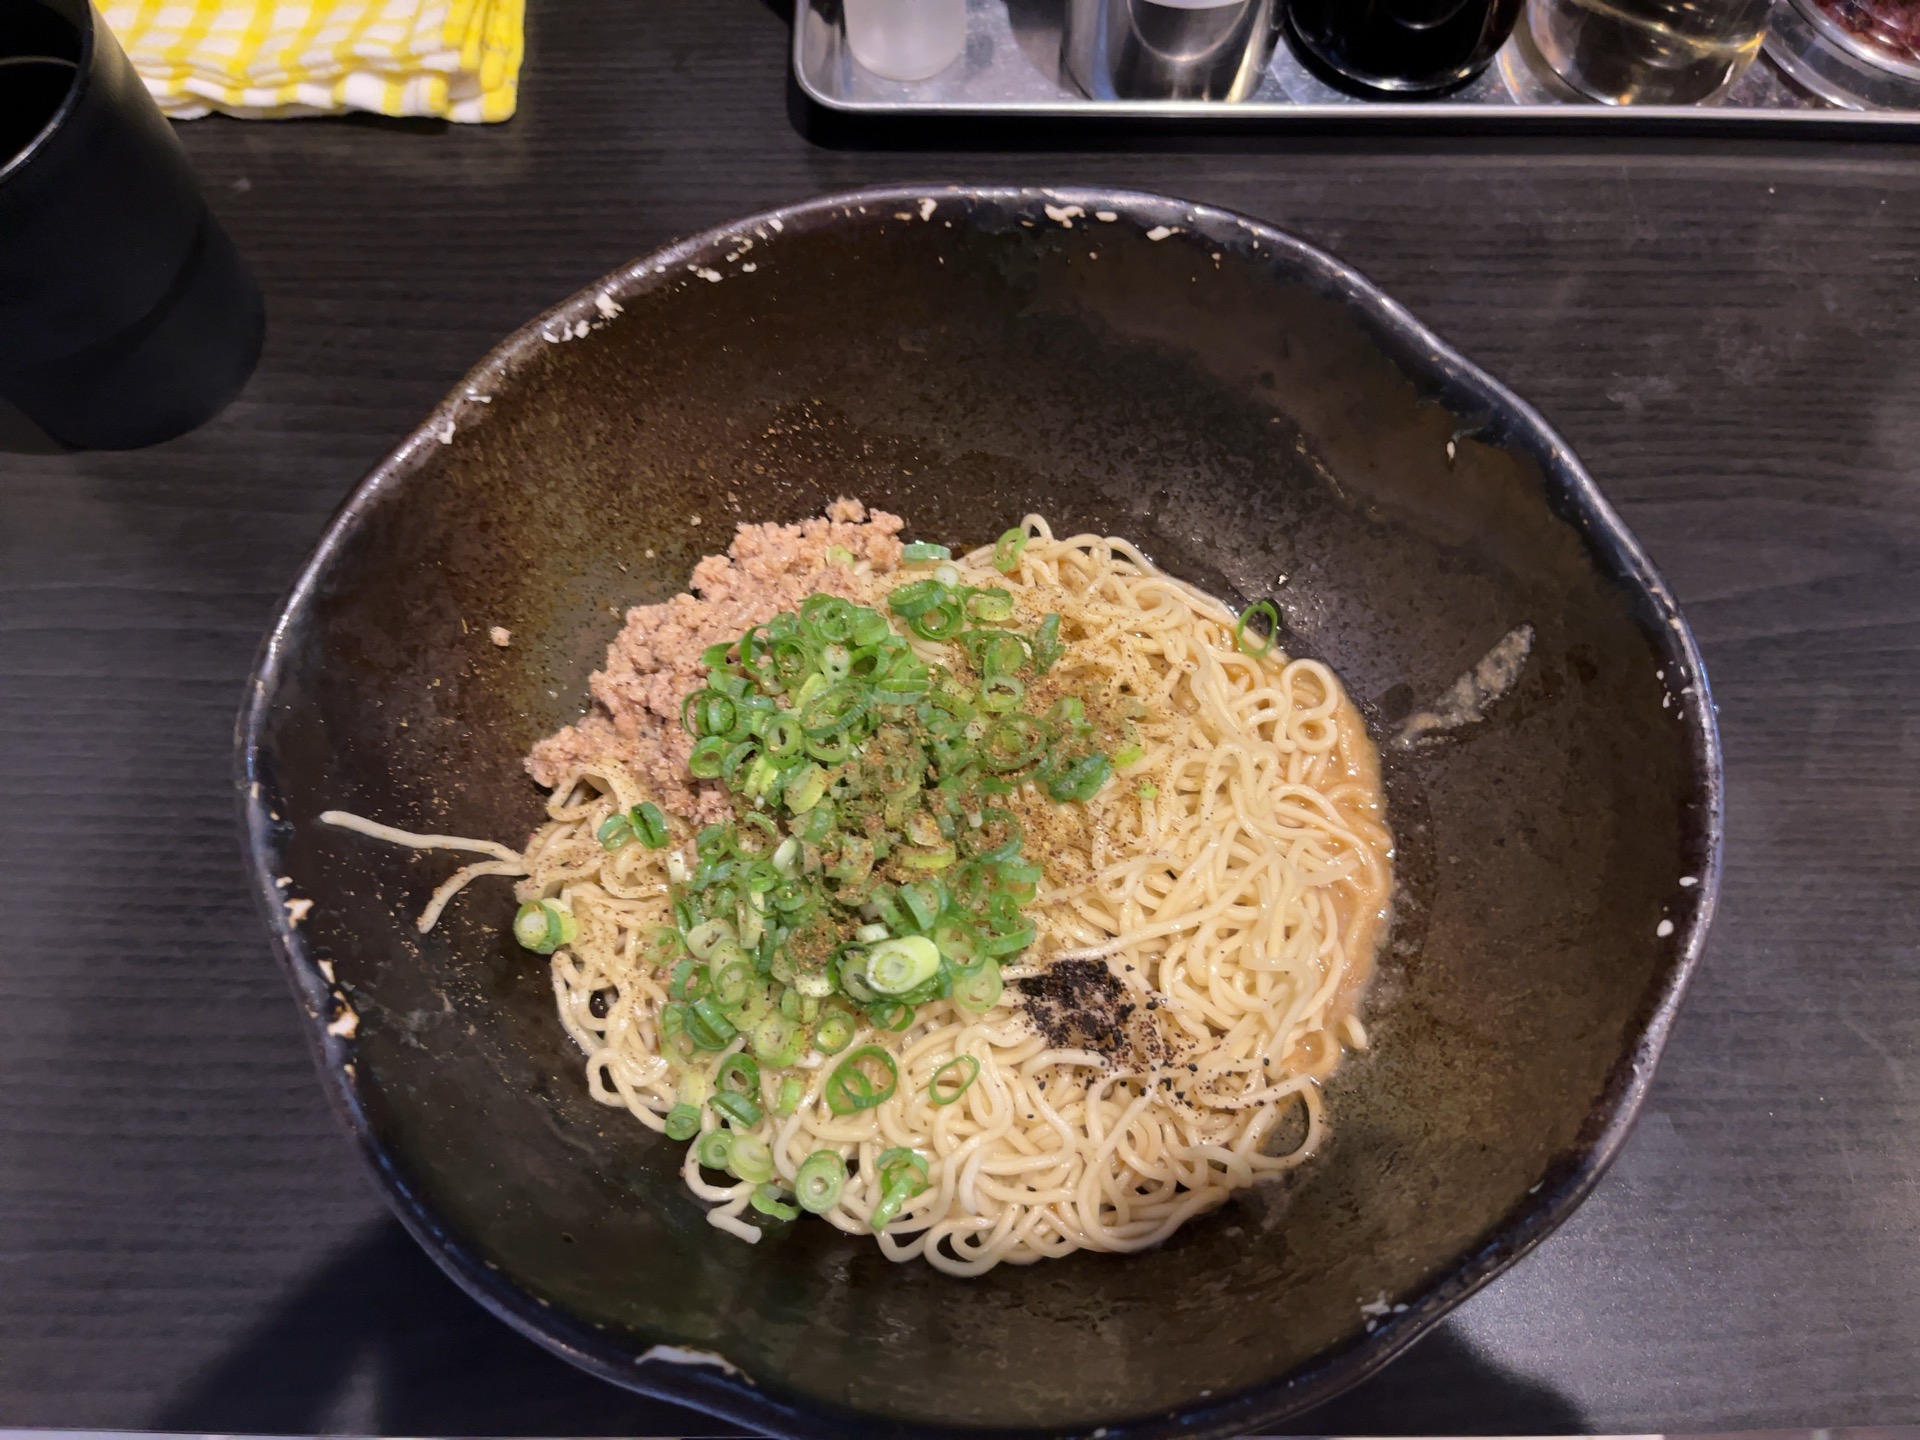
380 1342
20 436
1443 1386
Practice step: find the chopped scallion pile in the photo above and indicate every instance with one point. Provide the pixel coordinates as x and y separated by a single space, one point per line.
872 864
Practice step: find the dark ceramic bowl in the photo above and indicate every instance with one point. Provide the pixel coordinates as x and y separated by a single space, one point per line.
1246 408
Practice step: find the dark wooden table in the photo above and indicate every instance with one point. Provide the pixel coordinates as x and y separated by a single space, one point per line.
1724 329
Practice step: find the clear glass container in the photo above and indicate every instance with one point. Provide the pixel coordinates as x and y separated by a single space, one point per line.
906 39
1860 54
1648 52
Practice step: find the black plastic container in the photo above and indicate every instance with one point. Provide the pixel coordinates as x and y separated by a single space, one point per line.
1402 47
126 315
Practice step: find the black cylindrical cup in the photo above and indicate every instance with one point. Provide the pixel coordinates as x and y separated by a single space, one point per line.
1399 47
126 315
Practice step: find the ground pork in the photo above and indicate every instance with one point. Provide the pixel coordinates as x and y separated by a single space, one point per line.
655 660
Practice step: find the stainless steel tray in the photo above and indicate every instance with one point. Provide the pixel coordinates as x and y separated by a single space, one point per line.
1011 68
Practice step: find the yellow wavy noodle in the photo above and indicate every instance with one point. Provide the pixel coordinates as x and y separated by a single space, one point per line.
1236 877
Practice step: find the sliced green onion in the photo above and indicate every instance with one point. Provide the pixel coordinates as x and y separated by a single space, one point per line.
791 1093
752 1159
916 598
760 775
817 824
1009 943
706 713
767 1200
902 1175
852 1086
900 688
1013 741
805 789
708 1028
922 902
919 552
689 980
833 750
872 934
673 1029
1082 779
833 709
952 1079
738 1073
890 1015
979 991
839 555
995 652
1000 693
897 966
767 836
738 1108
1006 550
704 762
543 927
704 938
715 1149
615 832
1148 790
819 1181
938 622
899 1163
778 1039
959 946
1262 608
1128 755
683 1122
990 606
649 824
733 981
936 858
785 855
853 975
784 736
834 1033
828 613
1046 644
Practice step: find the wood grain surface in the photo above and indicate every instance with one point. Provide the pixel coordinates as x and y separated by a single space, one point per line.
1725 330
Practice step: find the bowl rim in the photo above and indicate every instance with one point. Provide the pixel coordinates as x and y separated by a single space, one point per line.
708 1380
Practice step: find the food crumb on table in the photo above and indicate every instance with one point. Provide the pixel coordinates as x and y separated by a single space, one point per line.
501 636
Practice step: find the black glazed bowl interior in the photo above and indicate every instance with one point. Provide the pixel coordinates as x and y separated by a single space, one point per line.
1246 409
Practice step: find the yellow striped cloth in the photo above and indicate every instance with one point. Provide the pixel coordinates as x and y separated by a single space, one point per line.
459 59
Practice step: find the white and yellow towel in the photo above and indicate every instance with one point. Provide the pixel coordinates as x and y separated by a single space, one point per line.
459 59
